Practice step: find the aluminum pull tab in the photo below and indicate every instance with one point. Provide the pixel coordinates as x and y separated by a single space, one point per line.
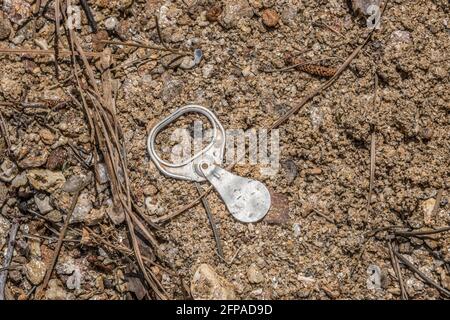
247 200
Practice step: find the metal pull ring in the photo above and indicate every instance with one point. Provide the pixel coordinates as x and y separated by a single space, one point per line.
247 200
188 169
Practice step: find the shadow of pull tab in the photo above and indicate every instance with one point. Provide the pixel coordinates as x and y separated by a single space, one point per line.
247 200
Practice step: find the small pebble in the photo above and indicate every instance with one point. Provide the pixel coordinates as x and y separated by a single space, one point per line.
270 18
82 209
254 275
54 216
46 180
207 71
279 211
297 230
36 270
56 159
427 207
208 285
213 13
5 225
3 194
426 133
314 171
116 214
34 160
8 171
234 11
77 182
18 11
111 23
290 170
18 39
102 173
47 136
43 203
55 291
150 190
360 7
5 28
20 181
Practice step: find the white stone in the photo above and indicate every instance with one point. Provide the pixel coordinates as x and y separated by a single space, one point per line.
208 285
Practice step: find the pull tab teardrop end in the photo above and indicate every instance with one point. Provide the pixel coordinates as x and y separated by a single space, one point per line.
247 200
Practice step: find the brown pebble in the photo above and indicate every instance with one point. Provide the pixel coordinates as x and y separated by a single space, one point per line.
56 159
123 30
5 27
150 190
22 297
279 211
47 136
426 133
101 35
315 171
307 208
270 18
332 293
30 66
213 13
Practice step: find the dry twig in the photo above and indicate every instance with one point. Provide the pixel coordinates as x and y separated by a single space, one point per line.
211 221
5 133
420 232
89 15
46 52
398 272
372 149
320 214
8 258
139 45
422 275
62 234
438 202
56 38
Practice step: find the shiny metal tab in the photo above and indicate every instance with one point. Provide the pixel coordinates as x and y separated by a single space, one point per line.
247 200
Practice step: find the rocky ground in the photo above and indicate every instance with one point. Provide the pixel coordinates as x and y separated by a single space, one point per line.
388 110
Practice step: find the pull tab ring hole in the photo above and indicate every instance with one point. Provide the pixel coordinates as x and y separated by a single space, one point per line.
185 136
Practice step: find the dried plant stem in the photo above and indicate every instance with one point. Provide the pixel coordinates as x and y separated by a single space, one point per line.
294 66
140 45
211 221
179 211
327 218
438 202
420 233
5 133
422 275
398 272
45 52
108 137
372 148
56 38
158 29
8 258
89 15
61 237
